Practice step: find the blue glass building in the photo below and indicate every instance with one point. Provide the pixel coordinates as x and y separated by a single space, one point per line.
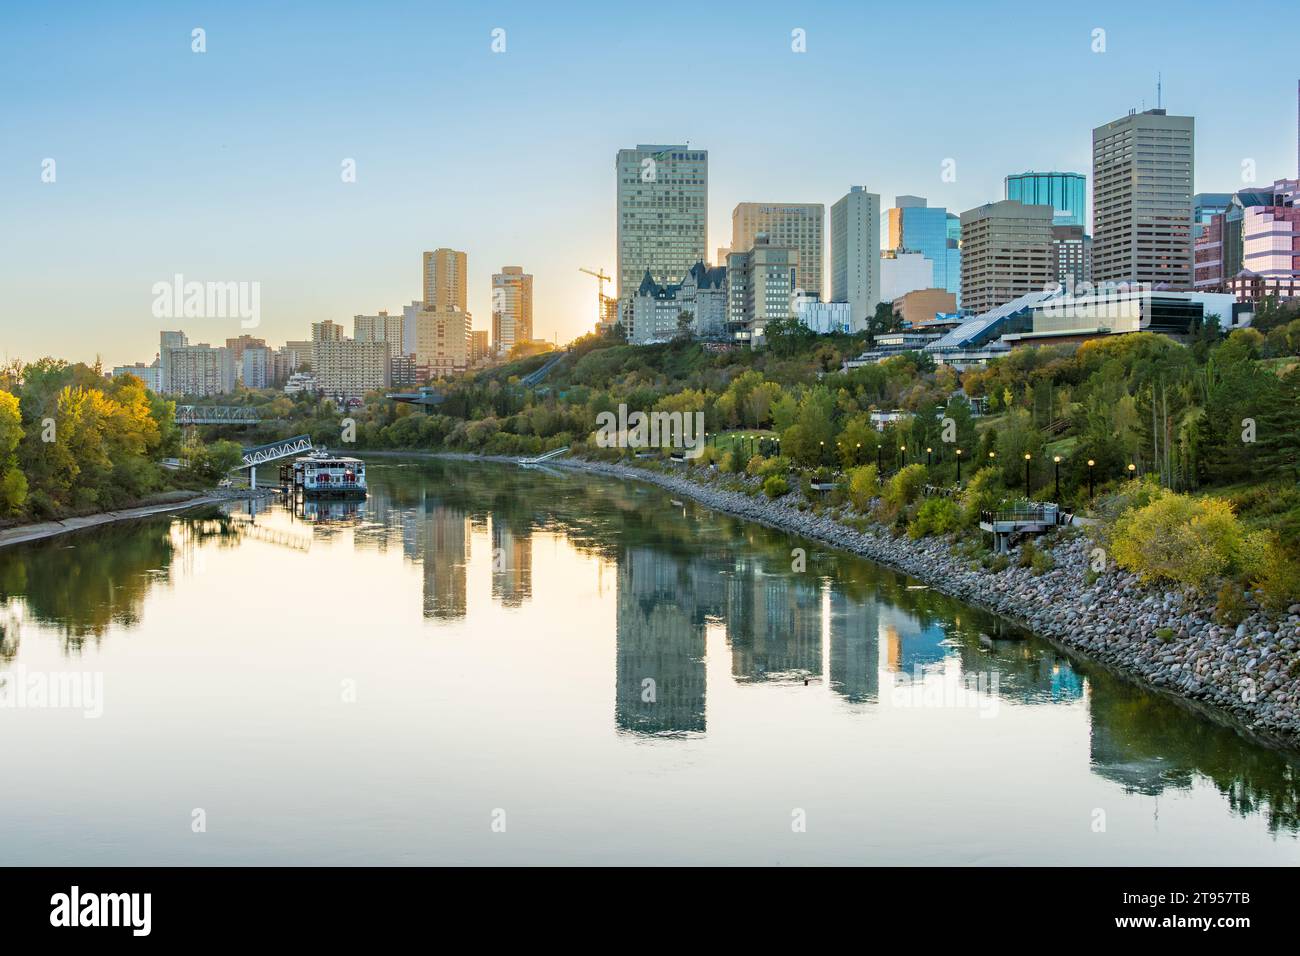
935 233
1064 192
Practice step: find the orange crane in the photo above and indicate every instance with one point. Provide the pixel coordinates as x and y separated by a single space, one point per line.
605 304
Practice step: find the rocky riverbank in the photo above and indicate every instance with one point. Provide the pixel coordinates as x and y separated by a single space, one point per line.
1249 673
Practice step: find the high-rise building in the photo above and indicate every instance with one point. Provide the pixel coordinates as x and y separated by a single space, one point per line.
1143 167
166 342
798 226
380 328
512 308
327 331
760 288
1219 250
662 209
347 369
855 254
149 374
445 281
1071 256
1066 193
1006 253
237 347
1271 253
200 371
297 353
478 345
934 232
1205 206
438 338
256 367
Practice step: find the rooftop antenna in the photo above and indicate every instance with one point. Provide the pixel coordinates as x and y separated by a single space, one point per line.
1158 91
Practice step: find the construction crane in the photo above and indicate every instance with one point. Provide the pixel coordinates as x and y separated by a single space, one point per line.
605 304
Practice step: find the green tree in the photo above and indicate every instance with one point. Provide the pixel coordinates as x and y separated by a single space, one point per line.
13 483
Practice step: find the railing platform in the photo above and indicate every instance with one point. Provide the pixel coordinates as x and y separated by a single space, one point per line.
547 456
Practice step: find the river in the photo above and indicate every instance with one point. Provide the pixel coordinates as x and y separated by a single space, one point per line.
485 664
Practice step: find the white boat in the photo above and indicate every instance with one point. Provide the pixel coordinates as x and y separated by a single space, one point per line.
322 475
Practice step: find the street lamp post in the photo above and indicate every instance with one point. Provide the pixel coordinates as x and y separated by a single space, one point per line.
1090 464
958 467
902 456
1027 457
1132 470
857 454
879 465
1056 460
927 456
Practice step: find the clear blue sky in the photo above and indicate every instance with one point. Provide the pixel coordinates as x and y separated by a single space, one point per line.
225 165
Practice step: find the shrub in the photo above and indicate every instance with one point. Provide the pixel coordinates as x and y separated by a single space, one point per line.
999 562
935 516
729 463
754 465
774 486
1178 538
1043 561
1028 551
864 485
982 493
1274 574
904 488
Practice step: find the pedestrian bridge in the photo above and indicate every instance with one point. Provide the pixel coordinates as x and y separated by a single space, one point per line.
263 454
217 415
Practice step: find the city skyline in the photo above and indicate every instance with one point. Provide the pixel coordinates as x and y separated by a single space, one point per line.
244 192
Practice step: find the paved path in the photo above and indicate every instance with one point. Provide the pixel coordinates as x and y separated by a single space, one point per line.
48 529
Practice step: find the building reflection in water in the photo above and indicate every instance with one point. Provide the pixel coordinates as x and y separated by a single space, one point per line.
676 574
439 538
774 624
855 647
512 563
660 636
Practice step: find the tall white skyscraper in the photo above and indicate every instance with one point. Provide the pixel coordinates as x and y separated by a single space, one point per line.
663 207
855 254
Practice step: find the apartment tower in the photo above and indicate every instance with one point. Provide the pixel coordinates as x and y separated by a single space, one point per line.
512 308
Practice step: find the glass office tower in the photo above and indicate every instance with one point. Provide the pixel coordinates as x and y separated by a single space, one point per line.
932 231
1064 192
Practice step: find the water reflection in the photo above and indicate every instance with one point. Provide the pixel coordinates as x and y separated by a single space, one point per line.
681 576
